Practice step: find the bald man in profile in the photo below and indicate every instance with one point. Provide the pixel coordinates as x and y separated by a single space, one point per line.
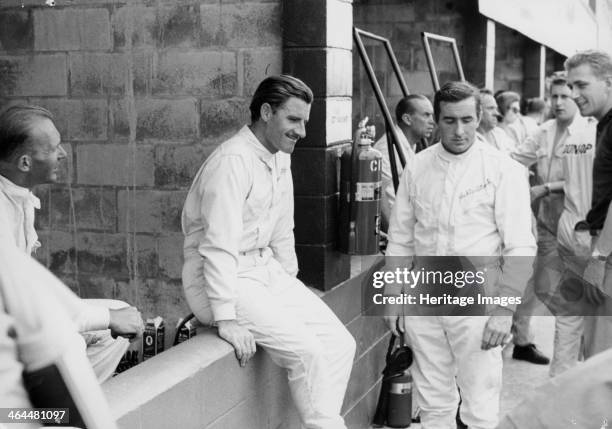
31 154
415 124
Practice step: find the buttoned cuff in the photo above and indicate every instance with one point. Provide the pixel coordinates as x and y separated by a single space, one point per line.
225 311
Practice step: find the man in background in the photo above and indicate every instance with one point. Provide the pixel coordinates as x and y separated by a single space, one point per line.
563 150
488 128
415 124
489 131
536 111
31 154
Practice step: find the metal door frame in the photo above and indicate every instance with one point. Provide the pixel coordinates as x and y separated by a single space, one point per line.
426 37
392 137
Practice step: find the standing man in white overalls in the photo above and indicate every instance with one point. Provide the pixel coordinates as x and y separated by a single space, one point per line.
462 198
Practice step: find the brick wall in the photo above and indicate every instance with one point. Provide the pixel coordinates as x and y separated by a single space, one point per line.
142 92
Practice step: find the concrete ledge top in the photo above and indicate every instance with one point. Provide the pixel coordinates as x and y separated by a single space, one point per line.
139 385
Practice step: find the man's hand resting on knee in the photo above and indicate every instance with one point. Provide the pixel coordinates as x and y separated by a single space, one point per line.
239 337
126 322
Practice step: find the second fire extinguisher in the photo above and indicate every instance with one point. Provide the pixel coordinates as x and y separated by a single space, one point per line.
360 189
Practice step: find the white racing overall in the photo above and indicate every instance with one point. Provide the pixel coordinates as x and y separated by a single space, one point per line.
240 264
472 204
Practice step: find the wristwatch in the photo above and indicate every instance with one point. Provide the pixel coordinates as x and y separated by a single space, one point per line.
547 188
598 256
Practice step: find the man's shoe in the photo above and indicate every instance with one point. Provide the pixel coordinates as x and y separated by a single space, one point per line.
529 353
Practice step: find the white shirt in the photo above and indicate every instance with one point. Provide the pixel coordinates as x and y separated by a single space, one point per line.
552 166
578 154
17 206
472 204
28 291
388 194
531 125
40 311
37 329
517 131
499 140
240 203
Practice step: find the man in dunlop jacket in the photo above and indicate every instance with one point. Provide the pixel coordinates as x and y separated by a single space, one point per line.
463 203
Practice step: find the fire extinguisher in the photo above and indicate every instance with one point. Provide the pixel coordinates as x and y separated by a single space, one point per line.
360 187
399 409
394 407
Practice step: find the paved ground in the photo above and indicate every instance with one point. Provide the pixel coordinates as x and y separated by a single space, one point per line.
520 378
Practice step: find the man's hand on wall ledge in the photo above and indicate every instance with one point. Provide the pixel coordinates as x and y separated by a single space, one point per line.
126 322
239 337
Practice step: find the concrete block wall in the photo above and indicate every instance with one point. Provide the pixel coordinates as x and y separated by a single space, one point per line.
318 50
142 93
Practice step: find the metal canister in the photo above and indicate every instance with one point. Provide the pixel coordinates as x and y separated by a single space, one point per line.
399 410
360 193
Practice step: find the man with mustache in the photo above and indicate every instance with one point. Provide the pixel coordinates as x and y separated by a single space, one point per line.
415 124
590 76
30 155
563 149
240 263
463 200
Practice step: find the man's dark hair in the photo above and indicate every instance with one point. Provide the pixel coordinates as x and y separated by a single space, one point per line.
15 127
407 105
453 92
275 90
559 81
